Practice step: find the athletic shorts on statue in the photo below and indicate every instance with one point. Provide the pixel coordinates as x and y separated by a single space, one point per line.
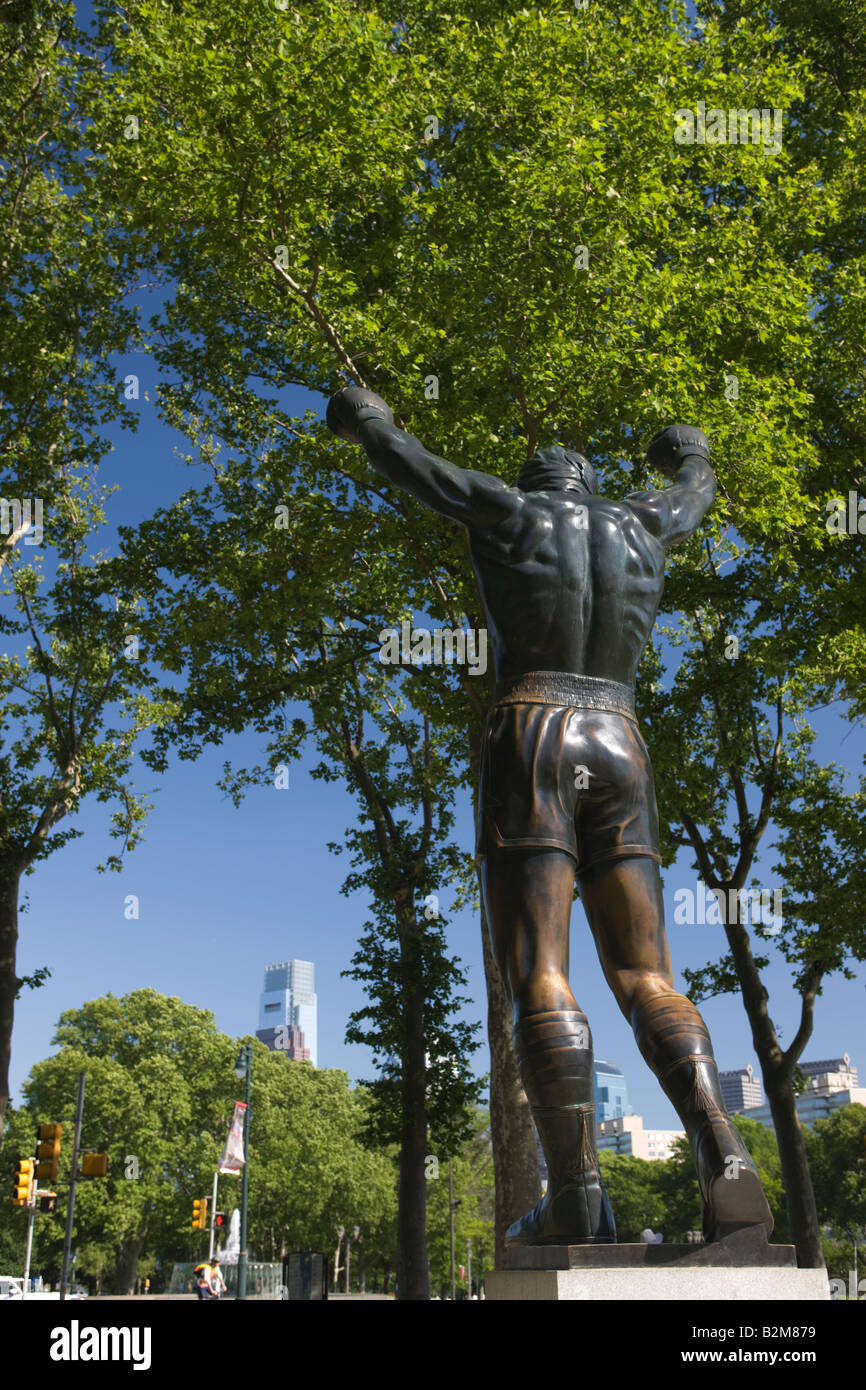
578 780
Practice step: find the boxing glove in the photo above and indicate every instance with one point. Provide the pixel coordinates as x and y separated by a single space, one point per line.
671 446
350 407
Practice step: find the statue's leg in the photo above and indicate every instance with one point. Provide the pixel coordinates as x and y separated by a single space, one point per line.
528 897
623 901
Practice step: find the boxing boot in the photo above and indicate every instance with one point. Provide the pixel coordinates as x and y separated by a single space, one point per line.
554 1053
674 1040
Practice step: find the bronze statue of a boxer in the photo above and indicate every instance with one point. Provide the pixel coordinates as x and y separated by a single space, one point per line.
571 583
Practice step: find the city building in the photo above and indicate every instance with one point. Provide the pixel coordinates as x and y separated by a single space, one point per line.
609 1092
626 1135
828 1078
288 1010
741 1089
830 1085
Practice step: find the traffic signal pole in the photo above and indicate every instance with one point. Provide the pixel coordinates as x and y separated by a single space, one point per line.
31 1217
73 1178
213 1215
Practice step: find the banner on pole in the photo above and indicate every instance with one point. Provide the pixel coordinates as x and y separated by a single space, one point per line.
232 1160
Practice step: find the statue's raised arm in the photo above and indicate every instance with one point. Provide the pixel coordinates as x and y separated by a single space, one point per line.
672 514
474 499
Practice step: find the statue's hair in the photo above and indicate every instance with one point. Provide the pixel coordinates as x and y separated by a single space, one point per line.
557 467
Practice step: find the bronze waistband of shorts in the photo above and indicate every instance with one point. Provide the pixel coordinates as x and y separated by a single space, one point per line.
563 688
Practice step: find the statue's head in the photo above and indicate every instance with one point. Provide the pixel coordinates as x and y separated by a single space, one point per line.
556 469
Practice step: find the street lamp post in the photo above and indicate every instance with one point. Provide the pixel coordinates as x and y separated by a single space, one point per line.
243 1068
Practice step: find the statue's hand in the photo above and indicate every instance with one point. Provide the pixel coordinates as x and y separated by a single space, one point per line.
670 446
350 407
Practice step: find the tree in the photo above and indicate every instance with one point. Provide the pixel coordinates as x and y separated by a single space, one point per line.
66 266
837 1156
311 1168
71 697
73 705
432 252
637 1196
473 1177
423 1053
159 1098
828 125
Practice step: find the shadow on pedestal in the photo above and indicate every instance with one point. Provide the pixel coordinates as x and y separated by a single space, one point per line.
748 1249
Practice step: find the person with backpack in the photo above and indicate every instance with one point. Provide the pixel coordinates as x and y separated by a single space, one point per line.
202 1276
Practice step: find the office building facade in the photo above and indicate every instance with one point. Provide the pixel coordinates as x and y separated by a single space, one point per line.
830 1077
741 1089
830 1084
627 1135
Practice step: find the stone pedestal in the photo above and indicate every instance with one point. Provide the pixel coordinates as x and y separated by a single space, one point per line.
658 1285
742 1267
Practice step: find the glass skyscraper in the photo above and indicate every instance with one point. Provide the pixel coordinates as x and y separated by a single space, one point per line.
288 1010
609 1092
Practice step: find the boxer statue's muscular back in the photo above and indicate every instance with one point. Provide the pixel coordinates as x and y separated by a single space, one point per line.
571 583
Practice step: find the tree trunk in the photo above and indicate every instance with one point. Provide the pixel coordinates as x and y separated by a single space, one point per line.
777 1074
512 1131
9 982
126 1265
796 1178
413 1275
513 1136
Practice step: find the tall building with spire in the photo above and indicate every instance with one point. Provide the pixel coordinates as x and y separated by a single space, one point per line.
288 1010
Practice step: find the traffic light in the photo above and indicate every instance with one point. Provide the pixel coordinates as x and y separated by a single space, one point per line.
24 1178
199 1213
48 1151
219 1219
94 1165
48 1201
